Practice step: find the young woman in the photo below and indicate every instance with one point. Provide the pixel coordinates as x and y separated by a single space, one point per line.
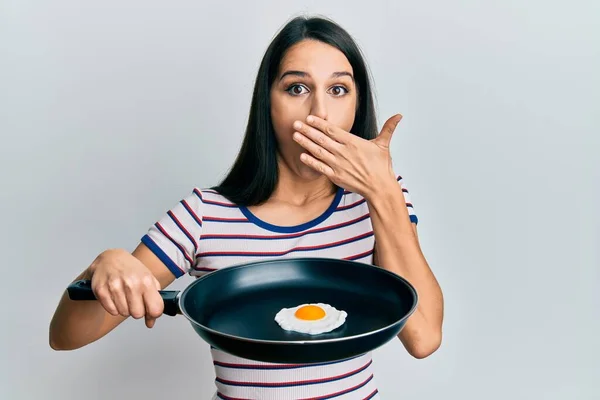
314 177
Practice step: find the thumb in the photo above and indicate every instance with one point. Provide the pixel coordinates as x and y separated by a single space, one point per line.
385 136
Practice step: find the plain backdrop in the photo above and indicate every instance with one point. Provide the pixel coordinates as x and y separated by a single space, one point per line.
111 111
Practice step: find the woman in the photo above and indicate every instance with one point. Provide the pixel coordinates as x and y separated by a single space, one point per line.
315 178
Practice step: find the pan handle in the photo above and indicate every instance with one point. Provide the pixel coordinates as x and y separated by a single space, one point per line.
82 290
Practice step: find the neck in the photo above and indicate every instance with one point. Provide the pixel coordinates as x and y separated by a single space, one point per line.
295 189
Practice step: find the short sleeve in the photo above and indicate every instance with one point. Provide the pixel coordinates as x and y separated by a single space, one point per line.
174 237
409 205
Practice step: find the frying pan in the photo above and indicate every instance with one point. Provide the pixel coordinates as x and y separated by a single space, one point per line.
233 308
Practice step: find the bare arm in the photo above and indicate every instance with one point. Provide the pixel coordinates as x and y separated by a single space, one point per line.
397 249
77 323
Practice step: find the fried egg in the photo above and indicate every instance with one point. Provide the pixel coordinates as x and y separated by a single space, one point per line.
313 318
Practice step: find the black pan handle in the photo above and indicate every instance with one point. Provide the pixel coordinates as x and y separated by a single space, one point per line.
82 290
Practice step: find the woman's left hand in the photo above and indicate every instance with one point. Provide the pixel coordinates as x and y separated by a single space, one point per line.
355 164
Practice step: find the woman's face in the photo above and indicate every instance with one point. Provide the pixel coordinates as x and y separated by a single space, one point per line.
314 78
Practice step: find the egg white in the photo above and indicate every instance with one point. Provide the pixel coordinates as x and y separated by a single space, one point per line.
333 319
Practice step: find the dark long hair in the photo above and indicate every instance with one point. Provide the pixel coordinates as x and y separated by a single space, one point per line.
253 176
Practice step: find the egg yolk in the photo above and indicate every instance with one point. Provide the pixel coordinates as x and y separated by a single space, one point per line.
310 313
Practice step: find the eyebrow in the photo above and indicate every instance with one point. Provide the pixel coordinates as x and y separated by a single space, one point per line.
303 74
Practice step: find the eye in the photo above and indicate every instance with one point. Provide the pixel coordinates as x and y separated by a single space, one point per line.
295 90
339 90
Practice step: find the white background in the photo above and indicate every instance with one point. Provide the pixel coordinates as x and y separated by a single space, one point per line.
111 111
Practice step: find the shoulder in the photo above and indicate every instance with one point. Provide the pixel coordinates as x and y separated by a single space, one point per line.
199 201
210 197
205 201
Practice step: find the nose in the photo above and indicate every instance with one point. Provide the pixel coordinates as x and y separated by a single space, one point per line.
319 106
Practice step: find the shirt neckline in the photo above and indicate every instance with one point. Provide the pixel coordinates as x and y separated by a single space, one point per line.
295 228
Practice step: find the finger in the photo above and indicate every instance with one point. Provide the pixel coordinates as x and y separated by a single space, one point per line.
385 136
156 283
150 322
135 302
153 302
318 137
103 295
335 133
118 297
154 306
316 150
317 165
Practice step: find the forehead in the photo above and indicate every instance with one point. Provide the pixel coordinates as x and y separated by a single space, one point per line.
317 58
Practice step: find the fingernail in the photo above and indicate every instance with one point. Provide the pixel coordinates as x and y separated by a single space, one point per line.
309 118
298 125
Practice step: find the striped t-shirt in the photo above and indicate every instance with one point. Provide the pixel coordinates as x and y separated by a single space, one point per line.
205 232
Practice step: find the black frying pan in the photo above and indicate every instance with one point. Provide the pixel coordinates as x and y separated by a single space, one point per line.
233 309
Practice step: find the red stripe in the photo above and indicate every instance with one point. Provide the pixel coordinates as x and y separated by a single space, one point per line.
205 269
350 205
295 383
180 225
219 203
273 253
192 213
279 366
164 232
288 236
361 255
341 392
222 396
256 366
370 396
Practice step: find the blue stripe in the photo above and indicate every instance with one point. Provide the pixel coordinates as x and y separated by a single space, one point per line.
162 256
297 228
237 221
